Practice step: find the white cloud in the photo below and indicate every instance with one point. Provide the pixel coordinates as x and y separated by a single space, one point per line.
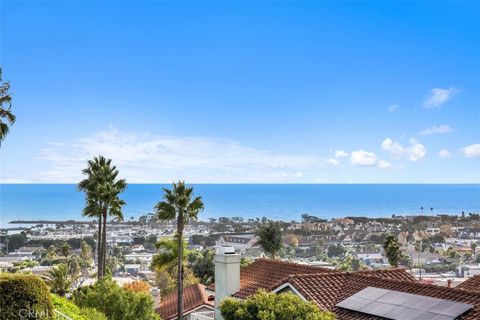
438 96
363 158
415 152
333 162
444 154
384 165
148 158
472 151
436 130
393 107
340 154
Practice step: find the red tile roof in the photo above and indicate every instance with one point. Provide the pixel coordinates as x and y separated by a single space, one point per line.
193 297
331 285
472 284
326 290
262 273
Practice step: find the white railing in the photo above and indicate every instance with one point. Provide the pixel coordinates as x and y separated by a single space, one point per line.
209 315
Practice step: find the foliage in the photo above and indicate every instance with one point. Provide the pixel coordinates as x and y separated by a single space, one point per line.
71 310
291 240
7 118
272 306
66 250
270 238
14 241
167 256
116 303
335 250
392 250
179 204
24 292
351 264
167 281
102 198
137 286
61 278
112 264
204 266
245 262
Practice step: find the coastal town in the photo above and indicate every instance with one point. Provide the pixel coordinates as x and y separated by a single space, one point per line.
239 160
439 250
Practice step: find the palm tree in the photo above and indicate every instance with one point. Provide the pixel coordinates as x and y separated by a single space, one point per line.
270 238
102 190
7 118
167 256
179 204
61 278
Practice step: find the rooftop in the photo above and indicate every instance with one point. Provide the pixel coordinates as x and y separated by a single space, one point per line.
193 297
471 284
262 273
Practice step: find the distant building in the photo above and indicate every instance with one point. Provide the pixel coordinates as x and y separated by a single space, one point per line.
240 242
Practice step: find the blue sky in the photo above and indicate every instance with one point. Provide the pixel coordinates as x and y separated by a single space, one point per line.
264 92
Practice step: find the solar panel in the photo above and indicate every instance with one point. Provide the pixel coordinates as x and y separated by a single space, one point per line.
398 305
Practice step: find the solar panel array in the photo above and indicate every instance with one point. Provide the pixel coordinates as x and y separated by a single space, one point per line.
398 305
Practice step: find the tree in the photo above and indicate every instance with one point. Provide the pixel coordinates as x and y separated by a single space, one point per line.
7 118
115 302
266 306
351 264
15 241
137 286
335 250
66 250
167 256
204 266
392 250
102 189
269 235
86 252
179 204
61 278
473 246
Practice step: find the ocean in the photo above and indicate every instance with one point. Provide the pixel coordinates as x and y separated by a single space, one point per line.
277 201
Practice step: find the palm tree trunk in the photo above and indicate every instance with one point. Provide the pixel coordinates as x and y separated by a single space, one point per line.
99 247
104 242
180 275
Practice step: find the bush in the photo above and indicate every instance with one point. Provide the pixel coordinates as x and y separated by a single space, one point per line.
272 306
137 286
24 296
116 303
71 310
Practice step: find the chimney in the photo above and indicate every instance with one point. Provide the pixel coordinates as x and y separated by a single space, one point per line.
227 276
449 283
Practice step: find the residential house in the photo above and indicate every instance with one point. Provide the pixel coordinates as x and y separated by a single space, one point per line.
195 301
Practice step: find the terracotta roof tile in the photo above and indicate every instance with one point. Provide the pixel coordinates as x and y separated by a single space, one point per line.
472 284
262 273
326 290
193 296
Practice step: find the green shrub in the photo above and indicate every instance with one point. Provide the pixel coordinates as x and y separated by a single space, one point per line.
24 296
272 306
71 310
116 303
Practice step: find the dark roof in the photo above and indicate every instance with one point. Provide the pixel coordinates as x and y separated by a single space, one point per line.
326 290
262 273
194 296
472 284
